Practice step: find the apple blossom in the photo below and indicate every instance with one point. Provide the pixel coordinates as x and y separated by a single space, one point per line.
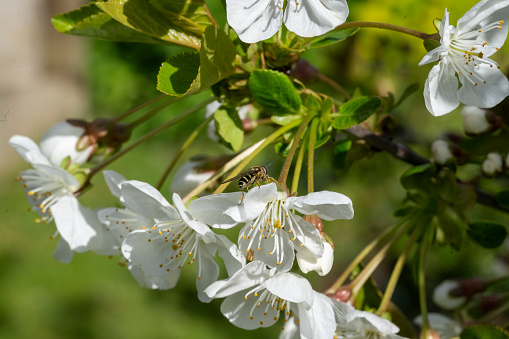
464 50
272 231
256 296
255 20
49 190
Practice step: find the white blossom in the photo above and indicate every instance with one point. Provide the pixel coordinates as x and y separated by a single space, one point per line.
256 296
355 324
49 190
465 51
309 262
272 231
173 239
256 20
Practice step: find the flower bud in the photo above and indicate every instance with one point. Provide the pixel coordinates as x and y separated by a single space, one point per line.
441 152
60 142
429 333
493 164
343 294
478 121
315 220
309 262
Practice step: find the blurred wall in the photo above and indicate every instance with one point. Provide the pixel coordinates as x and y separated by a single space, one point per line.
41 72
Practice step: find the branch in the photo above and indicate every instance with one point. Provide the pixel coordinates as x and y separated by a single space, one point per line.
406 154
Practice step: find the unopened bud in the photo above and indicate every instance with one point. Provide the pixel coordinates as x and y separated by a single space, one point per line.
308 261
441 152
479 121
315 220
343 294
493 164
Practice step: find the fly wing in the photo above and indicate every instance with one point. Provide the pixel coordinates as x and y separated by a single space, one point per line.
243 174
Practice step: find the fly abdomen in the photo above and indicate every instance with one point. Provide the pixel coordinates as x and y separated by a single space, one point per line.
246 181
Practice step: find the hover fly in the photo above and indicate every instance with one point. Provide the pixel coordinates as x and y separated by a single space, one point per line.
250 177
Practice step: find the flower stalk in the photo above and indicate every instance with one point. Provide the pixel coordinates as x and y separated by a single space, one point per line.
381 25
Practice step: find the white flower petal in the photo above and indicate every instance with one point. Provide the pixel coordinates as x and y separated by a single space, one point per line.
310 18
291 287
317 321
254 203
208 271
210 209
76 224
446 327
233 258
114 181
433 55
151 257
442 298
327 205
254 20
63 252
28 150
440 90
291 329
483 95
60 141
486 12
244 313
166 282
144 199
280 255
309 262
250 275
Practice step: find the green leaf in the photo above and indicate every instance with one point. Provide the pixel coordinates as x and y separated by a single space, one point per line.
285 119
356 111
487 234
502 198
418 177
190 73
229 128
91 22
332 37
178 73
484 331
157 19
274 91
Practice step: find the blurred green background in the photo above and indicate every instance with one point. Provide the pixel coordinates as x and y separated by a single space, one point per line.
94 297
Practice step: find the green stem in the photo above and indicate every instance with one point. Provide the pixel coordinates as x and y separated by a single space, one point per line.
380 25
137 108
228 166
375 242
334 85
267 142
311 155
423 250
297 169
368 270
152 112
295 144
182 149
396 272
144 138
